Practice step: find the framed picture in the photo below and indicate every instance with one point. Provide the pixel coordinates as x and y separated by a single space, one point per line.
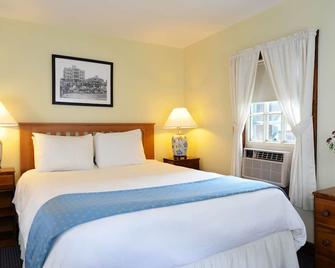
78 81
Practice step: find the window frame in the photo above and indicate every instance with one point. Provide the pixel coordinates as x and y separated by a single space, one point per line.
266 113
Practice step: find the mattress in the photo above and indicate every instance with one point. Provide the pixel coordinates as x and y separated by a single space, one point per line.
163 237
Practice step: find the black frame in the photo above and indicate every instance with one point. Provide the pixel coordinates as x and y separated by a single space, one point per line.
55 56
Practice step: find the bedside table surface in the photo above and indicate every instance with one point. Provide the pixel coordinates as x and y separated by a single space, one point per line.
187 159
189 162
5 171
328 193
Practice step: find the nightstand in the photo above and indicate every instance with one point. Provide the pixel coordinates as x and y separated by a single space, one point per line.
8 219
189 163
324 222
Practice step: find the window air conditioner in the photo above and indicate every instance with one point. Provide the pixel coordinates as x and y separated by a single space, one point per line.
270 166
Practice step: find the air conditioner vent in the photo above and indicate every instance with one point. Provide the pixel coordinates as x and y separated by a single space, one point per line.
271 156
266 165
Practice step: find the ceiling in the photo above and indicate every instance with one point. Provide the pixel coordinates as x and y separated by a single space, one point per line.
176 23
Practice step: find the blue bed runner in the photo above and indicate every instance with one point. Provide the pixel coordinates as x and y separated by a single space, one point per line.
66 211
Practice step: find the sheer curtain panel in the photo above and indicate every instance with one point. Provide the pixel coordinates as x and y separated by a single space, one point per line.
290 64
242 82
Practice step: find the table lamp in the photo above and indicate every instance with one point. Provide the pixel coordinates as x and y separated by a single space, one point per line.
6 120
179 119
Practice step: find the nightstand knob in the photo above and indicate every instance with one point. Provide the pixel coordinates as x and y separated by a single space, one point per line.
325 213
326 243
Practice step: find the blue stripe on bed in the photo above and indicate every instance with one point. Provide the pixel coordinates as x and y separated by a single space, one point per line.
66 211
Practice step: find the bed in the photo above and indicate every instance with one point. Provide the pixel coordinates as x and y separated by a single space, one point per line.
254 229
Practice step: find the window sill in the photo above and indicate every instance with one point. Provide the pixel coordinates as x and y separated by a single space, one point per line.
271 146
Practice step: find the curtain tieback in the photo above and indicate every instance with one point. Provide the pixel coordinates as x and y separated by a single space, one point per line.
300 128
236 128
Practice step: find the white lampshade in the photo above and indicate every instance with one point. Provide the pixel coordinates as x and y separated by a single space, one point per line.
180 118
6 120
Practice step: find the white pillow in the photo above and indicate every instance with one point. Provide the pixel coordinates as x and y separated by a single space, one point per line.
119 148
53 153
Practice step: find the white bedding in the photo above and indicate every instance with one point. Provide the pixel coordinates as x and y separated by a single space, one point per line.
163 237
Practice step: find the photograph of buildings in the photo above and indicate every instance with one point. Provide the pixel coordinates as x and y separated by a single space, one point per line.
78 81
73 84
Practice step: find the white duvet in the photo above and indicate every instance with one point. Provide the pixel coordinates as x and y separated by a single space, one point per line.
162 237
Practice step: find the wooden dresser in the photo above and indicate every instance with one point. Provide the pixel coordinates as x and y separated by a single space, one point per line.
8 219
324 221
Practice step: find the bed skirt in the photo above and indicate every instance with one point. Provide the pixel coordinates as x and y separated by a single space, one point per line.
274 251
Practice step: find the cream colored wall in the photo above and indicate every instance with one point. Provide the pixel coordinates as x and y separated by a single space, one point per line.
207 81
148 80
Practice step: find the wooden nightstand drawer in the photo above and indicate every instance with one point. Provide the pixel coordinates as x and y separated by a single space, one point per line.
325 212
324 218
8 217
325 241
6 182
323 262
8 211
7 224
6 199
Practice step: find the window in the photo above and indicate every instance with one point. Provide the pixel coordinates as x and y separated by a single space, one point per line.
267 124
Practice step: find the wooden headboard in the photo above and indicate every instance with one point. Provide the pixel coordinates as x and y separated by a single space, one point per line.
77 129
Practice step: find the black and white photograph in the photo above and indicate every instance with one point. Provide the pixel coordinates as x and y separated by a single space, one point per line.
78 81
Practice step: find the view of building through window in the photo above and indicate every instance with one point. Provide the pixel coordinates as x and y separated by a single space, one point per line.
267 124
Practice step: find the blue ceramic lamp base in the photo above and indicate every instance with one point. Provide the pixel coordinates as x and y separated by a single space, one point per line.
179 146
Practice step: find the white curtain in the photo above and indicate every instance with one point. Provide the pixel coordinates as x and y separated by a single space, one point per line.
242 82
290 64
